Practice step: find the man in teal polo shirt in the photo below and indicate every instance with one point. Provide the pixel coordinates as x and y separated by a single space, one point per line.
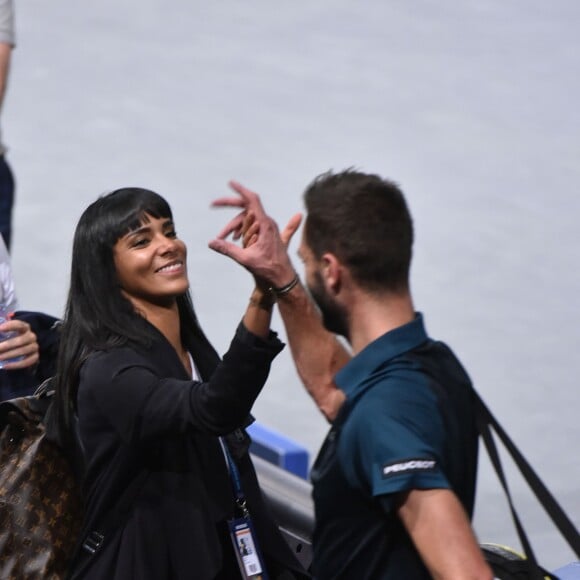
394 482
406 424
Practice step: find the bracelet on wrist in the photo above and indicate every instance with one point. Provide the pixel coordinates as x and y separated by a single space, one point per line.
265 302
285 289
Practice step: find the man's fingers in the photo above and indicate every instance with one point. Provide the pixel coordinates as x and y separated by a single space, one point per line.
246 198
291 228
251 198
227 249
233 226
251 235
228 202
249 219
246 193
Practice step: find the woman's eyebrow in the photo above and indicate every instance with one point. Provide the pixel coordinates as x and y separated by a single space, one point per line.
141 230
146 228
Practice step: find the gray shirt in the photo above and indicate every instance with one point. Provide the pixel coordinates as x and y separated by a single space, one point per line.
7 22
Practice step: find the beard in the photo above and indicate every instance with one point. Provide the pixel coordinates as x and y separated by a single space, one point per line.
334 316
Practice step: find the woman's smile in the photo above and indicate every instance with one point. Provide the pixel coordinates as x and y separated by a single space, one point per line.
171 268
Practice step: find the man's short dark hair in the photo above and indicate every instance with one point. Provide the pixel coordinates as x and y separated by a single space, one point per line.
364 220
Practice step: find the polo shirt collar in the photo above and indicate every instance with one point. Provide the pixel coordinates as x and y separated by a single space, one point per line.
388 346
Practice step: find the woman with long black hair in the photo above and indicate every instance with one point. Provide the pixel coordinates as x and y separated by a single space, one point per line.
168 482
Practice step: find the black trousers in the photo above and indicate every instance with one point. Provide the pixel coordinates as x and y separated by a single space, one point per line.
6 200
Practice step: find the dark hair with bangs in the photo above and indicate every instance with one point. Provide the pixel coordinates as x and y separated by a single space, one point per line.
364 220
98 316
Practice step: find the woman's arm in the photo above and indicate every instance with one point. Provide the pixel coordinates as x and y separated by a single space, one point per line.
258 315
139 396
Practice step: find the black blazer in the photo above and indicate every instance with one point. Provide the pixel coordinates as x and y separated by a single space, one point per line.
151 432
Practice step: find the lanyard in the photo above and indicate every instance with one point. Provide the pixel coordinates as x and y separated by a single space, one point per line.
245 541
235 479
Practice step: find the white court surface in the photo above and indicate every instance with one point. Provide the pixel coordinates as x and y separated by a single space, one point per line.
472 107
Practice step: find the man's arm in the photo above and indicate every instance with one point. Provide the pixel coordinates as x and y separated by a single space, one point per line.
442 534
318 354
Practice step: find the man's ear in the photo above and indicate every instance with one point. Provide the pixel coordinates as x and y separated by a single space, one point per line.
331 272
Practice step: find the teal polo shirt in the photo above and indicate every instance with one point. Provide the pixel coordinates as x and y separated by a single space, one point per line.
408 422
391 420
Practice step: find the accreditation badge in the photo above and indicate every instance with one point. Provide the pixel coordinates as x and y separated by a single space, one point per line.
245 546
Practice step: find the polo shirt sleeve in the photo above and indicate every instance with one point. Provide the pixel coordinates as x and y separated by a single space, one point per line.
393 441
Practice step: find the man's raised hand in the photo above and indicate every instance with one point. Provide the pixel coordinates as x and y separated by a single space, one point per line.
264 250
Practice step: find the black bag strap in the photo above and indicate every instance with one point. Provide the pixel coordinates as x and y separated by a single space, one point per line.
485 422
530 562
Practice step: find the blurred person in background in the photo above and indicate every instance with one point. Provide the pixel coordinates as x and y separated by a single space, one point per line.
28 340
7 42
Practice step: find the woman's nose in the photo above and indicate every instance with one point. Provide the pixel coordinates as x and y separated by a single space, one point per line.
167 245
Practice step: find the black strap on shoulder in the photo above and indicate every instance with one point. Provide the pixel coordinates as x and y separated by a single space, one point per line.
485 422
